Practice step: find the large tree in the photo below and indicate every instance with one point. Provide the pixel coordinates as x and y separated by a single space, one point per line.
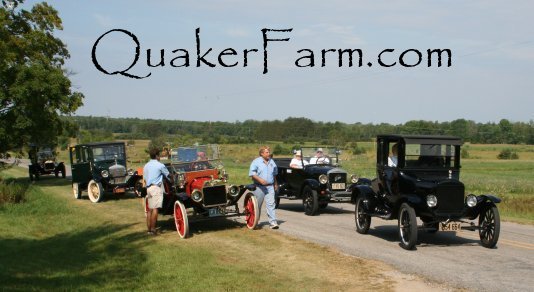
35 90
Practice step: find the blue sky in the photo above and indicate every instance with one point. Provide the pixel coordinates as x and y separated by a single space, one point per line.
491 77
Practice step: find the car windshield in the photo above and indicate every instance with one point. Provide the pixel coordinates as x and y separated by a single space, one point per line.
430 155
196 157
108 152
320 155
45 155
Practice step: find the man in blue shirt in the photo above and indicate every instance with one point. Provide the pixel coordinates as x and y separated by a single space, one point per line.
153 174
263 172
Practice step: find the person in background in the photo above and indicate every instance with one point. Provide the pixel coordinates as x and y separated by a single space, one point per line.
153 174
297 161
319 157
393 159
263 172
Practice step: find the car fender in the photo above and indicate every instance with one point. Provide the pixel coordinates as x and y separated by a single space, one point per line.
488 197
361 190
412 199
312 183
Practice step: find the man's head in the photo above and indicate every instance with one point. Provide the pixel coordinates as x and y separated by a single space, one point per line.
265 152
154 153
298 154
319 152
394 149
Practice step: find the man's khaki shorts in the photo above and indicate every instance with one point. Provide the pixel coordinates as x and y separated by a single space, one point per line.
155 197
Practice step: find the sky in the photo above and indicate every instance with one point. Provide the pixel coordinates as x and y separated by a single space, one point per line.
491 76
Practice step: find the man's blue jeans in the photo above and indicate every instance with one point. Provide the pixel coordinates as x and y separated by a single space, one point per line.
267 193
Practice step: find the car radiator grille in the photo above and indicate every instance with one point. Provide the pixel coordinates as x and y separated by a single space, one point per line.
117 171
450 198
215 195
336 178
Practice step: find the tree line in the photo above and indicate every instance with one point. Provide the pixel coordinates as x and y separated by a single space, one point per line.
294 130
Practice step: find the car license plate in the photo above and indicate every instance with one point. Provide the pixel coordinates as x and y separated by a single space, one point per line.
119 190
214 212
451 226
338 186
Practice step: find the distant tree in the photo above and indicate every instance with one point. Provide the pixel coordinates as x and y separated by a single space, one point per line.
35 90
508 154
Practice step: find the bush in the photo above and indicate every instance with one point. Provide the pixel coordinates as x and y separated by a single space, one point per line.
280 150
12 191
508 154
464 153
355 149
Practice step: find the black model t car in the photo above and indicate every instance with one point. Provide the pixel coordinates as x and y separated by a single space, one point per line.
43 162
200 184
423 181
99 168
317 180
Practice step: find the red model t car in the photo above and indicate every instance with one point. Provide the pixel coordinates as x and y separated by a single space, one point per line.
199 188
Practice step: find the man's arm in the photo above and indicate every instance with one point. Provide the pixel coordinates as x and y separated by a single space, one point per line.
259 180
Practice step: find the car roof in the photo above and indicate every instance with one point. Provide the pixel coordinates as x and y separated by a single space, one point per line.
423 139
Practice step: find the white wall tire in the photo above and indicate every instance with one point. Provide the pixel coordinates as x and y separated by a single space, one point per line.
180 219
95 191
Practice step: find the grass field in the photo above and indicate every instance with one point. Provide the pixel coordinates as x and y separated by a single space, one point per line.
54 242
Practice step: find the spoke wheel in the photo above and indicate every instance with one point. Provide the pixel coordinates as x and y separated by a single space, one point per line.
252 215
363 221
407 227
180 219
95 191
310 201
76 191
489 222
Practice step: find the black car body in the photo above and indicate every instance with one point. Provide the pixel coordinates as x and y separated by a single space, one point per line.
316 183
43 162
100 167
425 183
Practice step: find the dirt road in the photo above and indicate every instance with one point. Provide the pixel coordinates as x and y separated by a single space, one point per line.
455 259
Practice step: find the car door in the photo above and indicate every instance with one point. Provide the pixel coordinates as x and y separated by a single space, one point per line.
80 168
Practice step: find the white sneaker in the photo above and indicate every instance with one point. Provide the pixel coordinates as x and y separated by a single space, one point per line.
274 225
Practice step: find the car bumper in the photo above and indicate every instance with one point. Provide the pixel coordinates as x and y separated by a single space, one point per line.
339 196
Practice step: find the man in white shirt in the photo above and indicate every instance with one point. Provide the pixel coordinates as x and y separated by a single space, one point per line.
319 157
393 159
297 161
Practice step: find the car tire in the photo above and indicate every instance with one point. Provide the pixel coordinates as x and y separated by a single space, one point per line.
76 191
63 171
95 191
252 211
323 205
310 201
362 221
180 219
407 227
56 174
489 222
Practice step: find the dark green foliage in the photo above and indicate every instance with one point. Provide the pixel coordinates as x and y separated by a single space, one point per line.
35 89
508 154
355 149
464 153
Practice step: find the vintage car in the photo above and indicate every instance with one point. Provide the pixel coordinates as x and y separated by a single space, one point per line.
317 181
199 184
99 168
43 162
424 183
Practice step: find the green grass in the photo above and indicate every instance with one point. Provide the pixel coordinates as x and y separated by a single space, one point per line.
54 242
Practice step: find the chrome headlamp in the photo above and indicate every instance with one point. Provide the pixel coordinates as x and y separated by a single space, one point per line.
196 195
233 190
354 178
323 178
104 173
431 201
471 200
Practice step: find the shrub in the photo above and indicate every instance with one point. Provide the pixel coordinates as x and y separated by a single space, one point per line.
508 154
355 149
12 191
279 150
464 153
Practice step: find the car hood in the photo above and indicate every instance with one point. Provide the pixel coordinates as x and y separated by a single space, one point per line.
323 169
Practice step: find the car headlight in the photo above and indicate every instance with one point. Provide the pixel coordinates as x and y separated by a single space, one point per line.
431 201
196 195
323 178
471 200
233 190
354 178
130 171
104 173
